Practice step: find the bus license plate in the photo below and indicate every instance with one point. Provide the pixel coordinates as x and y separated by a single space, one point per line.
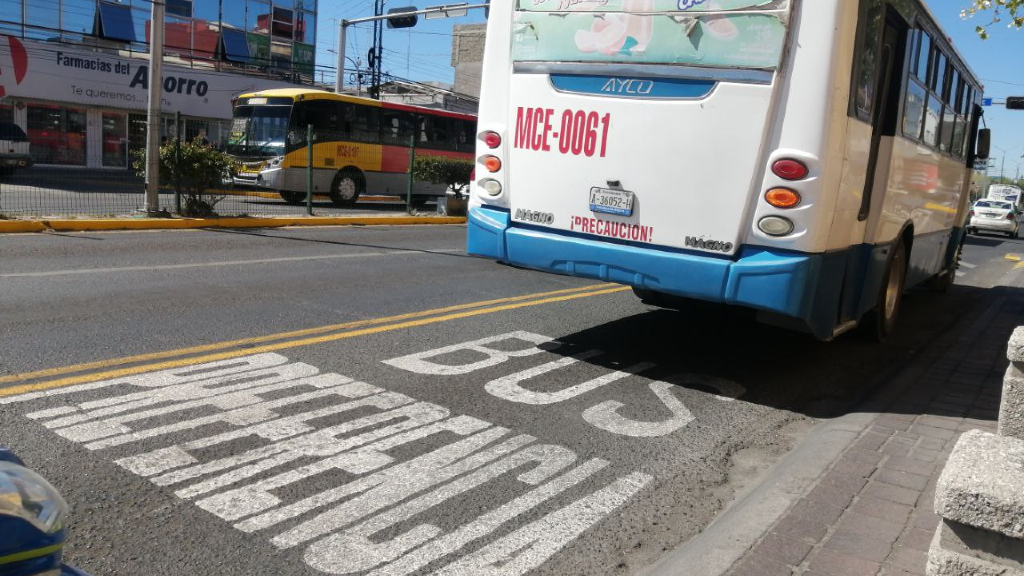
618 202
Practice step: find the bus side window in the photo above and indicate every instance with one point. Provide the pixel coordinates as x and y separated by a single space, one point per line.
866 59
397 127
441 132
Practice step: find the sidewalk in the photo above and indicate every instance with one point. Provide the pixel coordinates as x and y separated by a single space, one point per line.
871 512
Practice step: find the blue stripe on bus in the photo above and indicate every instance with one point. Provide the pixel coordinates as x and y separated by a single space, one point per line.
632 87
772 280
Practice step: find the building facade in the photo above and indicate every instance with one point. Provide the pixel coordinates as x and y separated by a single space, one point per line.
468 57
74 73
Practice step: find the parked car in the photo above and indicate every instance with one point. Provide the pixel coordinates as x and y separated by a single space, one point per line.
33 519
14 148
994 216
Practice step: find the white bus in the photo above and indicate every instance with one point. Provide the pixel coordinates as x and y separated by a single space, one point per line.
807 159
1006 193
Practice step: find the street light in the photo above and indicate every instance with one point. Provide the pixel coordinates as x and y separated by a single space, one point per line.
1002 168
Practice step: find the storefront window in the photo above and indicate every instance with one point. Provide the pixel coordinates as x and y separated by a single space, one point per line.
6 113
115 140
233 13
178 35
79 16
258 18
57 134
42 18
305 28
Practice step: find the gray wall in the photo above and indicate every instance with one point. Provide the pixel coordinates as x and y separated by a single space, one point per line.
468 56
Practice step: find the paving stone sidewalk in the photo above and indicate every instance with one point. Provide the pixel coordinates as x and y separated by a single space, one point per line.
871 513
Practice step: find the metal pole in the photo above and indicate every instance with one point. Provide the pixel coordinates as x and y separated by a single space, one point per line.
339 82
153 121
309 169
1002 169
377 50
412 158
177 162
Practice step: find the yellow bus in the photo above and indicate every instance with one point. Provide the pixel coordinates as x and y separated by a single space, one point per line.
359 144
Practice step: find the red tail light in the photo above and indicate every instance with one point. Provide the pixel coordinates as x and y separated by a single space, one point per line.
1009 216
789 169
492 139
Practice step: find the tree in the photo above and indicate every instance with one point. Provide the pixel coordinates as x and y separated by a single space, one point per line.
196 167
1014 9
451 172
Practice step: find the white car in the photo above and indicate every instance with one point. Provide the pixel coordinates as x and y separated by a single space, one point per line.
994 216
14 148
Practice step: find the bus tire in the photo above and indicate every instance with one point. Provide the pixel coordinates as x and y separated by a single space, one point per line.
881 322
294 198
348 185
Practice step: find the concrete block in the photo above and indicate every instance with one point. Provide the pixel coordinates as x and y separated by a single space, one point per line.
1015 349
982 484
982 544
1011 408
946 562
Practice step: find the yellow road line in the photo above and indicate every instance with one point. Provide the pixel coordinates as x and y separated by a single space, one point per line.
1014 257
97 376
280 336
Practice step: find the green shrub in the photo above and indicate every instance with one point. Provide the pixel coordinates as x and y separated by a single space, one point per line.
451 172
196 167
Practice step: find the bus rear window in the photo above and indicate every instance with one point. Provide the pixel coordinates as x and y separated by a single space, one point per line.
722 33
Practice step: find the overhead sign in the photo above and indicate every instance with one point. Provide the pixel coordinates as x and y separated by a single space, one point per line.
447 11
76 76
986 101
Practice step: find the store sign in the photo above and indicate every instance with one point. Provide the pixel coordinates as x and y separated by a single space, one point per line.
45 72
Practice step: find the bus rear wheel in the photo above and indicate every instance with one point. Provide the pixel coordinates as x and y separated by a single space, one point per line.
881 323
347 186
294 198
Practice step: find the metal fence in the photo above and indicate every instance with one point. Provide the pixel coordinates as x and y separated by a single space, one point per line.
74 176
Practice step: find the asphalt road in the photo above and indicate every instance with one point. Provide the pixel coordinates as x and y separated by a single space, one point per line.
371 400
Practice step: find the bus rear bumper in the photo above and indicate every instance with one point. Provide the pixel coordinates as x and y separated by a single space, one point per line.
785 283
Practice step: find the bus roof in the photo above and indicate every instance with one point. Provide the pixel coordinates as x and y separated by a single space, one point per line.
312 94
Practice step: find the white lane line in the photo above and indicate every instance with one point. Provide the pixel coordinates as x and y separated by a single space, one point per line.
961 274
223 263
968 265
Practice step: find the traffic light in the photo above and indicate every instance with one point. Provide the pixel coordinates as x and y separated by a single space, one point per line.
1015 103
398 21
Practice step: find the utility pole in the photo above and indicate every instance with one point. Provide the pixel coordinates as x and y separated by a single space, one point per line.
153 119
377 50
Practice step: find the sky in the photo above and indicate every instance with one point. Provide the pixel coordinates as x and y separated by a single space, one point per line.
424 53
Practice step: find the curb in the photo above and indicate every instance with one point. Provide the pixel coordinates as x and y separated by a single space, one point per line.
70 225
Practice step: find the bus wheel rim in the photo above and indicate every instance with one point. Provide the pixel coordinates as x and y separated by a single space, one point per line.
894 286
347 188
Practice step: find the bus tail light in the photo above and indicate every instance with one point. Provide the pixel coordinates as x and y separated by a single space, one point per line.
491 138
776 226
789 169
491 186
782 198
492 163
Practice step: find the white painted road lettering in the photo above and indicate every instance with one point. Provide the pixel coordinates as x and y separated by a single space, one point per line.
420 363
305 424
605 416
